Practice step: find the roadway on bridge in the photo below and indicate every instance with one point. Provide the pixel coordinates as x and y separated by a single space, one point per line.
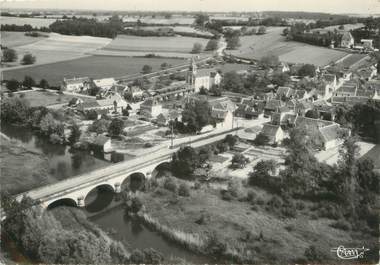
105 173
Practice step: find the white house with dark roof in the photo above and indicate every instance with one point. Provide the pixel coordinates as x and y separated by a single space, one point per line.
331 135
150 108
347 40
105 83
76 84
273 132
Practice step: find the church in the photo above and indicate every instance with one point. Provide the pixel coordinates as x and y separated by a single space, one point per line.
199 78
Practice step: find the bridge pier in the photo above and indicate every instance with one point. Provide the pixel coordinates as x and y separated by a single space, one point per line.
80 201
117 187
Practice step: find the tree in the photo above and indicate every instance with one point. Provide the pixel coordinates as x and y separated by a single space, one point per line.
280 79
28 82
341 27
239 161
184 162
164 65
99 126
197 48
9 55
232 38
13 85
307 70
14 110
262 30
44 84
215 91
212 45
232 81
200 20
147 69
285 32
75 134
269 61
116 127
28 59
314 114
262 172
261 139
196 115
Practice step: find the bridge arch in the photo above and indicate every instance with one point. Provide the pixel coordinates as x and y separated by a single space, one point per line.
134 182
62 202
161 169
99 197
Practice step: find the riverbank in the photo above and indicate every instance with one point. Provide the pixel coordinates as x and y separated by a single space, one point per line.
21 168
242 229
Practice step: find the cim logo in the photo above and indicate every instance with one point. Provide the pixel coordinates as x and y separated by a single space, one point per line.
349 253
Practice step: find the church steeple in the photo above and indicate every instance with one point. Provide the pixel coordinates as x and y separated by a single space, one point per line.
192 72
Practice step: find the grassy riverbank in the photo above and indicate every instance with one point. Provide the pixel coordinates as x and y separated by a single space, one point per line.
21 169
251 231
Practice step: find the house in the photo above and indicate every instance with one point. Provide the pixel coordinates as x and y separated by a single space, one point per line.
133 93
325 109
330 80
205 78
224 118
222 103
331 136
367 44
303 106
101 143
273 132
163 119
150 108
347 40
367 74
284 92
348 89
113 102
252 109
105 83
351 101
77 84
272 106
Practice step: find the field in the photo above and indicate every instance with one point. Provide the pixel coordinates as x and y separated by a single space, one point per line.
34 22
93 66
154 44
55 48
47 98
273 43
14 39
161 20
182 29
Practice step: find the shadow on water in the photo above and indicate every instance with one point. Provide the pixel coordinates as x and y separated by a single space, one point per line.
99 199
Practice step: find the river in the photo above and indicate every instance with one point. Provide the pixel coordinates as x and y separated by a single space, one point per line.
101 208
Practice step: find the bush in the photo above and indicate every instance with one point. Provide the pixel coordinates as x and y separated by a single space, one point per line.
312 254
226 195
55 139
148 145
330 211
28 59
9 55
183 190
136 205
170 184
197 48
235 188
342 224
251 196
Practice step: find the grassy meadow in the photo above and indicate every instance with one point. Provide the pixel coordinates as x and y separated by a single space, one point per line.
93 66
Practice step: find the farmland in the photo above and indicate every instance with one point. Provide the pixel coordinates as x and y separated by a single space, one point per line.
34 22
273 43
54 48
180 20
14 39
48 98
93 66
156 45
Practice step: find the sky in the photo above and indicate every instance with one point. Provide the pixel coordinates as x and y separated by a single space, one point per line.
328 6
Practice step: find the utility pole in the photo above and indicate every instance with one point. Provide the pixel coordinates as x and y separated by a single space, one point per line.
172 136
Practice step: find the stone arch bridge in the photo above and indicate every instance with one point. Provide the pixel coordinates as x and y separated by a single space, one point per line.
74 190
